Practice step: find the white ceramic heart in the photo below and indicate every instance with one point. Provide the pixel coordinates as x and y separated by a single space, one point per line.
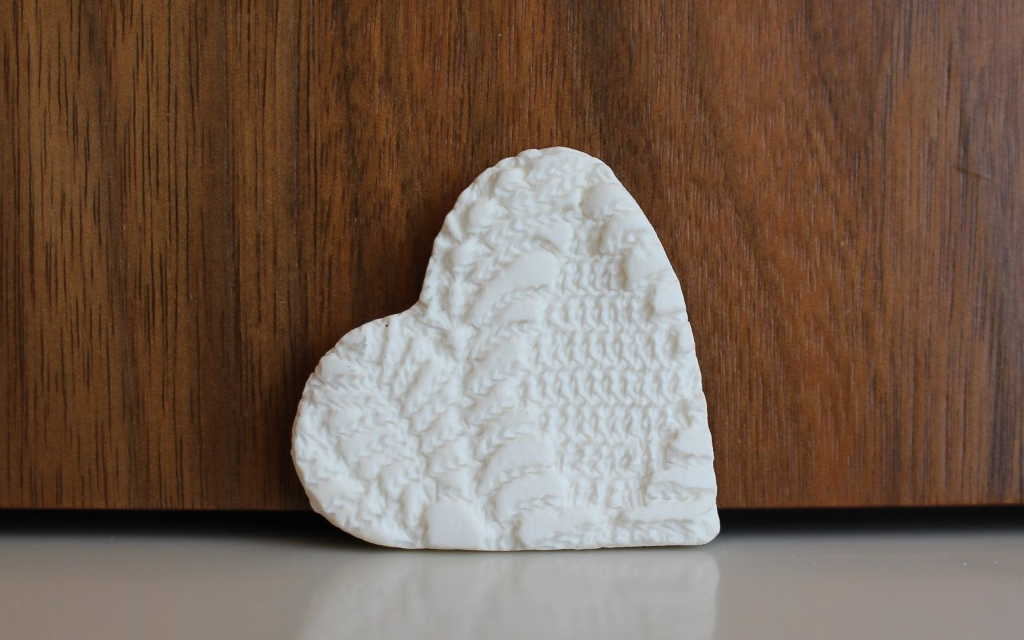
544 392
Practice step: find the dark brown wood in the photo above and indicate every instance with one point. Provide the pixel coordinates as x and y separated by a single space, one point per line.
198 199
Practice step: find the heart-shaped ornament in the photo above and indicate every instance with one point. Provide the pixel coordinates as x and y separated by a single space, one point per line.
543 393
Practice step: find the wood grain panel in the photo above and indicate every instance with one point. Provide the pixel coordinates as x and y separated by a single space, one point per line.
199 199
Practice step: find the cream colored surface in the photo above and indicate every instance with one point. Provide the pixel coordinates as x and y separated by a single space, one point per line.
113 582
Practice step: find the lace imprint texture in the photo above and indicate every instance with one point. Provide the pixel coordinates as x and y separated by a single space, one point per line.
544 393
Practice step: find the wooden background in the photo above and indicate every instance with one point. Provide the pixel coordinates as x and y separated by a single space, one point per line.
198 199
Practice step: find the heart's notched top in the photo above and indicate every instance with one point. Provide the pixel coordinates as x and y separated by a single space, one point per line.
544 392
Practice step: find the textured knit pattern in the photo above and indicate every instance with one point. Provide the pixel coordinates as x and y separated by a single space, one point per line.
544 393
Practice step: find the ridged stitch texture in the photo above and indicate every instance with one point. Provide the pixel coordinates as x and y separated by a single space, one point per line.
544 392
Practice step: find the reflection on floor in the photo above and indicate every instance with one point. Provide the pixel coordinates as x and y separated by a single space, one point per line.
864 574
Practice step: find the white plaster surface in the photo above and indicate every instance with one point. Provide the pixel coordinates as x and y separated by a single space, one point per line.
544 392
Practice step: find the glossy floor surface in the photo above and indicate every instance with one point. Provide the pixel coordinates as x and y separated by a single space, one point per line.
248 576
